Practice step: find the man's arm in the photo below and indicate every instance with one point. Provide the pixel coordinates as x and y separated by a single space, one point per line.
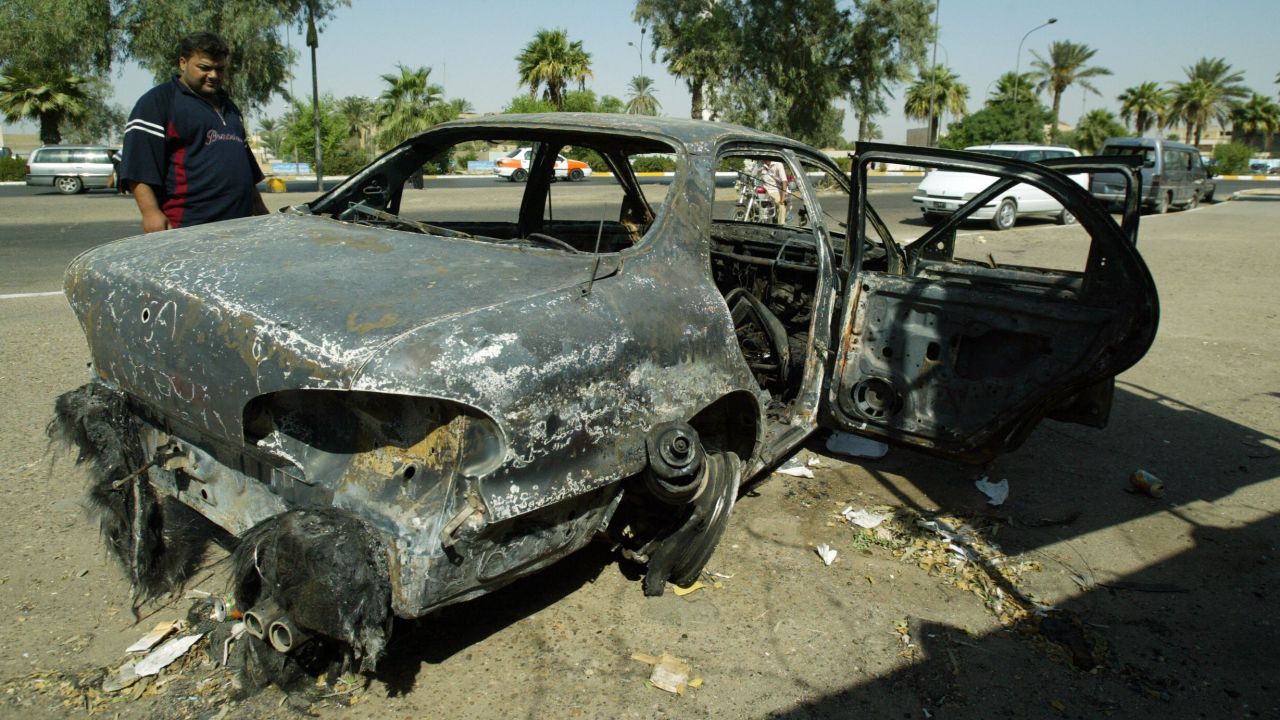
153 219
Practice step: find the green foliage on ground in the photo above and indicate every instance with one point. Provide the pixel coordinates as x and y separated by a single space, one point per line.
12 169
999 122
1232 158
653 164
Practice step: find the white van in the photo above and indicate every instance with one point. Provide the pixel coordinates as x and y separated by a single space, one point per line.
71 168
943 192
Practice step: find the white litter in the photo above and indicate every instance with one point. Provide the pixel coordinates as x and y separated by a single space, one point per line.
864 518
856 445
165 655
153 638
795 468
827 553
996 493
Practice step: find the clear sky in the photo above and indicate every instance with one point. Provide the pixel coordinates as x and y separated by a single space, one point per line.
471 47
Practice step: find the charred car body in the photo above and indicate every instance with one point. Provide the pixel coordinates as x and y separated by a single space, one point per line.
395 406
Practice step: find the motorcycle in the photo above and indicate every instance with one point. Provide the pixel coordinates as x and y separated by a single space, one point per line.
754 203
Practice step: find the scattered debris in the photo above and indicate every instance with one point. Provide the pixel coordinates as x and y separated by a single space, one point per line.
685 590
1085 647
670 673
864 518
996 493
795 468
165 655
124 676
1144 482
827 553
153 638
845 443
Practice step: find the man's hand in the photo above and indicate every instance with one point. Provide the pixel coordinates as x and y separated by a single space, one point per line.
153 220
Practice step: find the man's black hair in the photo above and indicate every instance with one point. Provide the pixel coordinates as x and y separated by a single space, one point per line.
205 43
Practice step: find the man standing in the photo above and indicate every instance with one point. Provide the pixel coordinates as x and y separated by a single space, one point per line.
185 155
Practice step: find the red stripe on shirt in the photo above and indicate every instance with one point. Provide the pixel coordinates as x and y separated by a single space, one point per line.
176 205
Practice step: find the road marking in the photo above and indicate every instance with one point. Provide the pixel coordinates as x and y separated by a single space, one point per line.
18 296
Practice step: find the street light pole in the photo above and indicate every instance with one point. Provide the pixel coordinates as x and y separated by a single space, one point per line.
313 41
933 75
640 49
1017 64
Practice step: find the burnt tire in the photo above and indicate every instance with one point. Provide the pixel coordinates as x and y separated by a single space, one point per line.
520 175
682 554
1005 216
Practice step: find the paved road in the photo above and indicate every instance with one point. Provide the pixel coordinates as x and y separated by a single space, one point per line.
41 230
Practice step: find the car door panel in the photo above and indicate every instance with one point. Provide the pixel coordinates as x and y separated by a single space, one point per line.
963 358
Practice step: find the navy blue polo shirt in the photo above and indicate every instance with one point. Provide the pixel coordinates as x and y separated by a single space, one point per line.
192 154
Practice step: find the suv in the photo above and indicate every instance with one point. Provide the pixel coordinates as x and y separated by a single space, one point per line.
1172 174
943 191
71 168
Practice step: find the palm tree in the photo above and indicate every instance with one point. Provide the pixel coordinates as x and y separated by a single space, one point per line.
1212 91
358 112
1145 104
550 62
640 99
935 92
1064 68
49 98
1016 88
406 106
1094 128
1259 115
271 133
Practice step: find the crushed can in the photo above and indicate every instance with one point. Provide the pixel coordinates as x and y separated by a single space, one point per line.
1147 483
224 609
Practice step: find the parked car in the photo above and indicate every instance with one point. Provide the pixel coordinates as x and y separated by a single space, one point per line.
392 403
71 168
1173 174
1260 168
517 163
944 192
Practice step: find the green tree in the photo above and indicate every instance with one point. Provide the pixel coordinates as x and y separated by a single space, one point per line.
1231 158
1212 90
49 97
1094 128
101 121
1014 87
258 66
1259 115
1004 121
48 37
299 133
937 91
698 39
549 62
640 98
1145 104
1066 66
526 104
887 40
359 113
580 101
611 104
409 104
271 133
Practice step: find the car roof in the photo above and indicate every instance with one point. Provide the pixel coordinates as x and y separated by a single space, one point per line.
1019 146
1148 142
681 131
75 147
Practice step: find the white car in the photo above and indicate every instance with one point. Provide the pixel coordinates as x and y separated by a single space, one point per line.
515 166
943 192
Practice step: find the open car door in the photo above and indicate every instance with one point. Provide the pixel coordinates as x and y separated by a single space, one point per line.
964 357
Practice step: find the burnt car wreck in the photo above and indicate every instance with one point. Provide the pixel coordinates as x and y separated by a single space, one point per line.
387 406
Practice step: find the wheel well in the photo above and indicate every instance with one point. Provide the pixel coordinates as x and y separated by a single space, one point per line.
730 424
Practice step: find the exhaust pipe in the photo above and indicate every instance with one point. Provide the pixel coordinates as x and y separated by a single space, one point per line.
284 636
258 620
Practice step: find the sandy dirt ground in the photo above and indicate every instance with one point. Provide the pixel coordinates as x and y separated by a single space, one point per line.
1162 606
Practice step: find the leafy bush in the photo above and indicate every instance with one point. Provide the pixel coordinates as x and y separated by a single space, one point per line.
12 169
1231 158
653 164
1000 122
588 156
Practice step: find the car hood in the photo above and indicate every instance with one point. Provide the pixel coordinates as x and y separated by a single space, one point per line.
197 322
